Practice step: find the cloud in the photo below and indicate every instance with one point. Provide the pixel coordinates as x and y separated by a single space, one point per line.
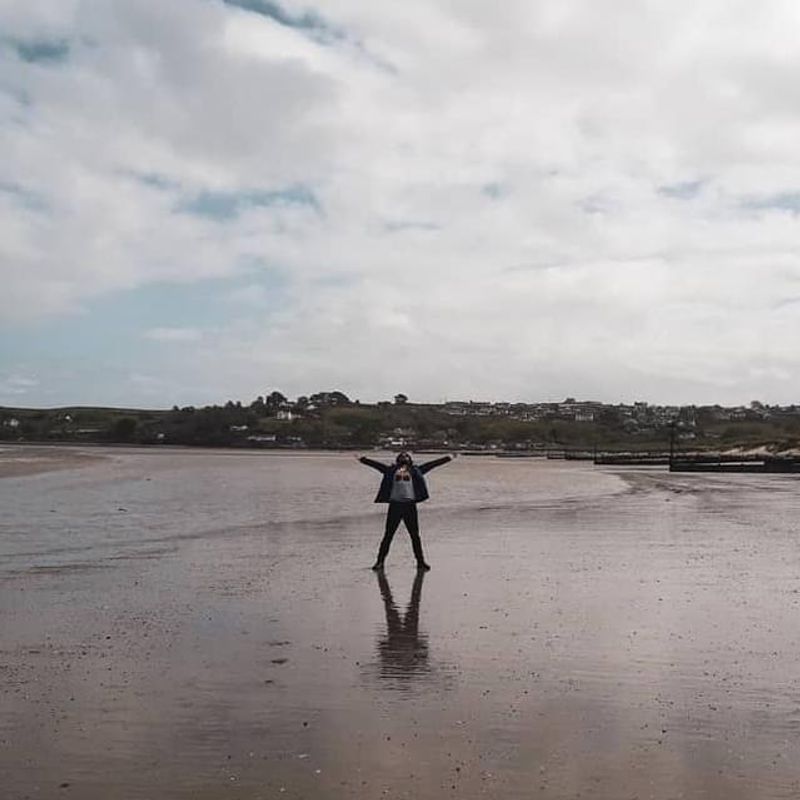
14 388
251 296
521 201
178 335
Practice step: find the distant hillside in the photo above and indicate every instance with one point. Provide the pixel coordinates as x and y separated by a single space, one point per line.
332 420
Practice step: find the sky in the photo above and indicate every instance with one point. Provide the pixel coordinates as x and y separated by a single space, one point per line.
203 200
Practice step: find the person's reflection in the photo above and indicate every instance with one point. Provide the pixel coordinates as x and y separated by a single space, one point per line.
403 651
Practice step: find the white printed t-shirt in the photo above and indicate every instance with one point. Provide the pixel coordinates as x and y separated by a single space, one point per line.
402 487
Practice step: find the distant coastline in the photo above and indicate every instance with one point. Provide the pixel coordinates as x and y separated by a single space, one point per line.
332 421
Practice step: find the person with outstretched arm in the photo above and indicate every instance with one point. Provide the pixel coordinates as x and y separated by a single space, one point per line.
402 487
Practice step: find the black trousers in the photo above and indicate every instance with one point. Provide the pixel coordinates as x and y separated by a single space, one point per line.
395 514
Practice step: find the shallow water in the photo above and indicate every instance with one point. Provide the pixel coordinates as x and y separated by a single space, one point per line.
203 624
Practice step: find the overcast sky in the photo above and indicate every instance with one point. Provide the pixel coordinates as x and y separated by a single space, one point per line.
208 199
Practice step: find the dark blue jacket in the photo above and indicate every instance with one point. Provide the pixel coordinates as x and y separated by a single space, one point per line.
388 470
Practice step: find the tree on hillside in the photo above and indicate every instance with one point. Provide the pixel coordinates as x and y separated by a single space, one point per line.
338 399
329 399
275 400
400 399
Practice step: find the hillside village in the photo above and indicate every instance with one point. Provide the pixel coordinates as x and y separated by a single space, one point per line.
333 420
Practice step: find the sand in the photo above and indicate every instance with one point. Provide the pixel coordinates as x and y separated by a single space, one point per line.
205 625
33 459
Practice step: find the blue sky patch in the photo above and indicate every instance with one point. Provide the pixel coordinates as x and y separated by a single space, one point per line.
681 191
785 201
24 197
113 328
493 190
154 180
229 205
308 22
42 50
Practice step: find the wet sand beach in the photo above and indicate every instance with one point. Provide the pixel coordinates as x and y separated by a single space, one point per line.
204 624
16 460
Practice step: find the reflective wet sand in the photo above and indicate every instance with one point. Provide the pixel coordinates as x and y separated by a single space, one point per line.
204 624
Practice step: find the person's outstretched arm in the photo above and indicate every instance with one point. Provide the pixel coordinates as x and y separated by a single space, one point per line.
429 465
374 464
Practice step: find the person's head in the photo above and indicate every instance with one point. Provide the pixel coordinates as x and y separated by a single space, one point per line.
403 459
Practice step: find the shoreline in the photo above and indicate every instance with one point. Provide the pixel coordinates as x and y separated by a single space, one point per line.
15 464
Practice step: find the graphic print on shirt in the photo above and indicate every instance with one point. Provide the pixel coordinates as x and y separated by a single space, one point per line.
402 487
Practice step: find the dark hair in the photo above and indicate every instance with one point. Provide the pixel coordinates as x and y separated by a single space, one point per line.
404 458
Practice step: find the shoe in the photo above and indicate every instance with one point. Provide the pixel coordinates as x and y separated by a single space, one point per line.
377 566
423 567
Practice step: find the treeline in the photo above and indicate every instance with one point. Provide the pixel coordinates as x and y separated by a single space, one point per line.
332 420
322 420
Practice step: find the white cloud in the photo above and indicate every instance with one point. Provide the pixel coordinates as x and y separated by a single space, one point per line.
252 296
174 335
14 388
499 209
